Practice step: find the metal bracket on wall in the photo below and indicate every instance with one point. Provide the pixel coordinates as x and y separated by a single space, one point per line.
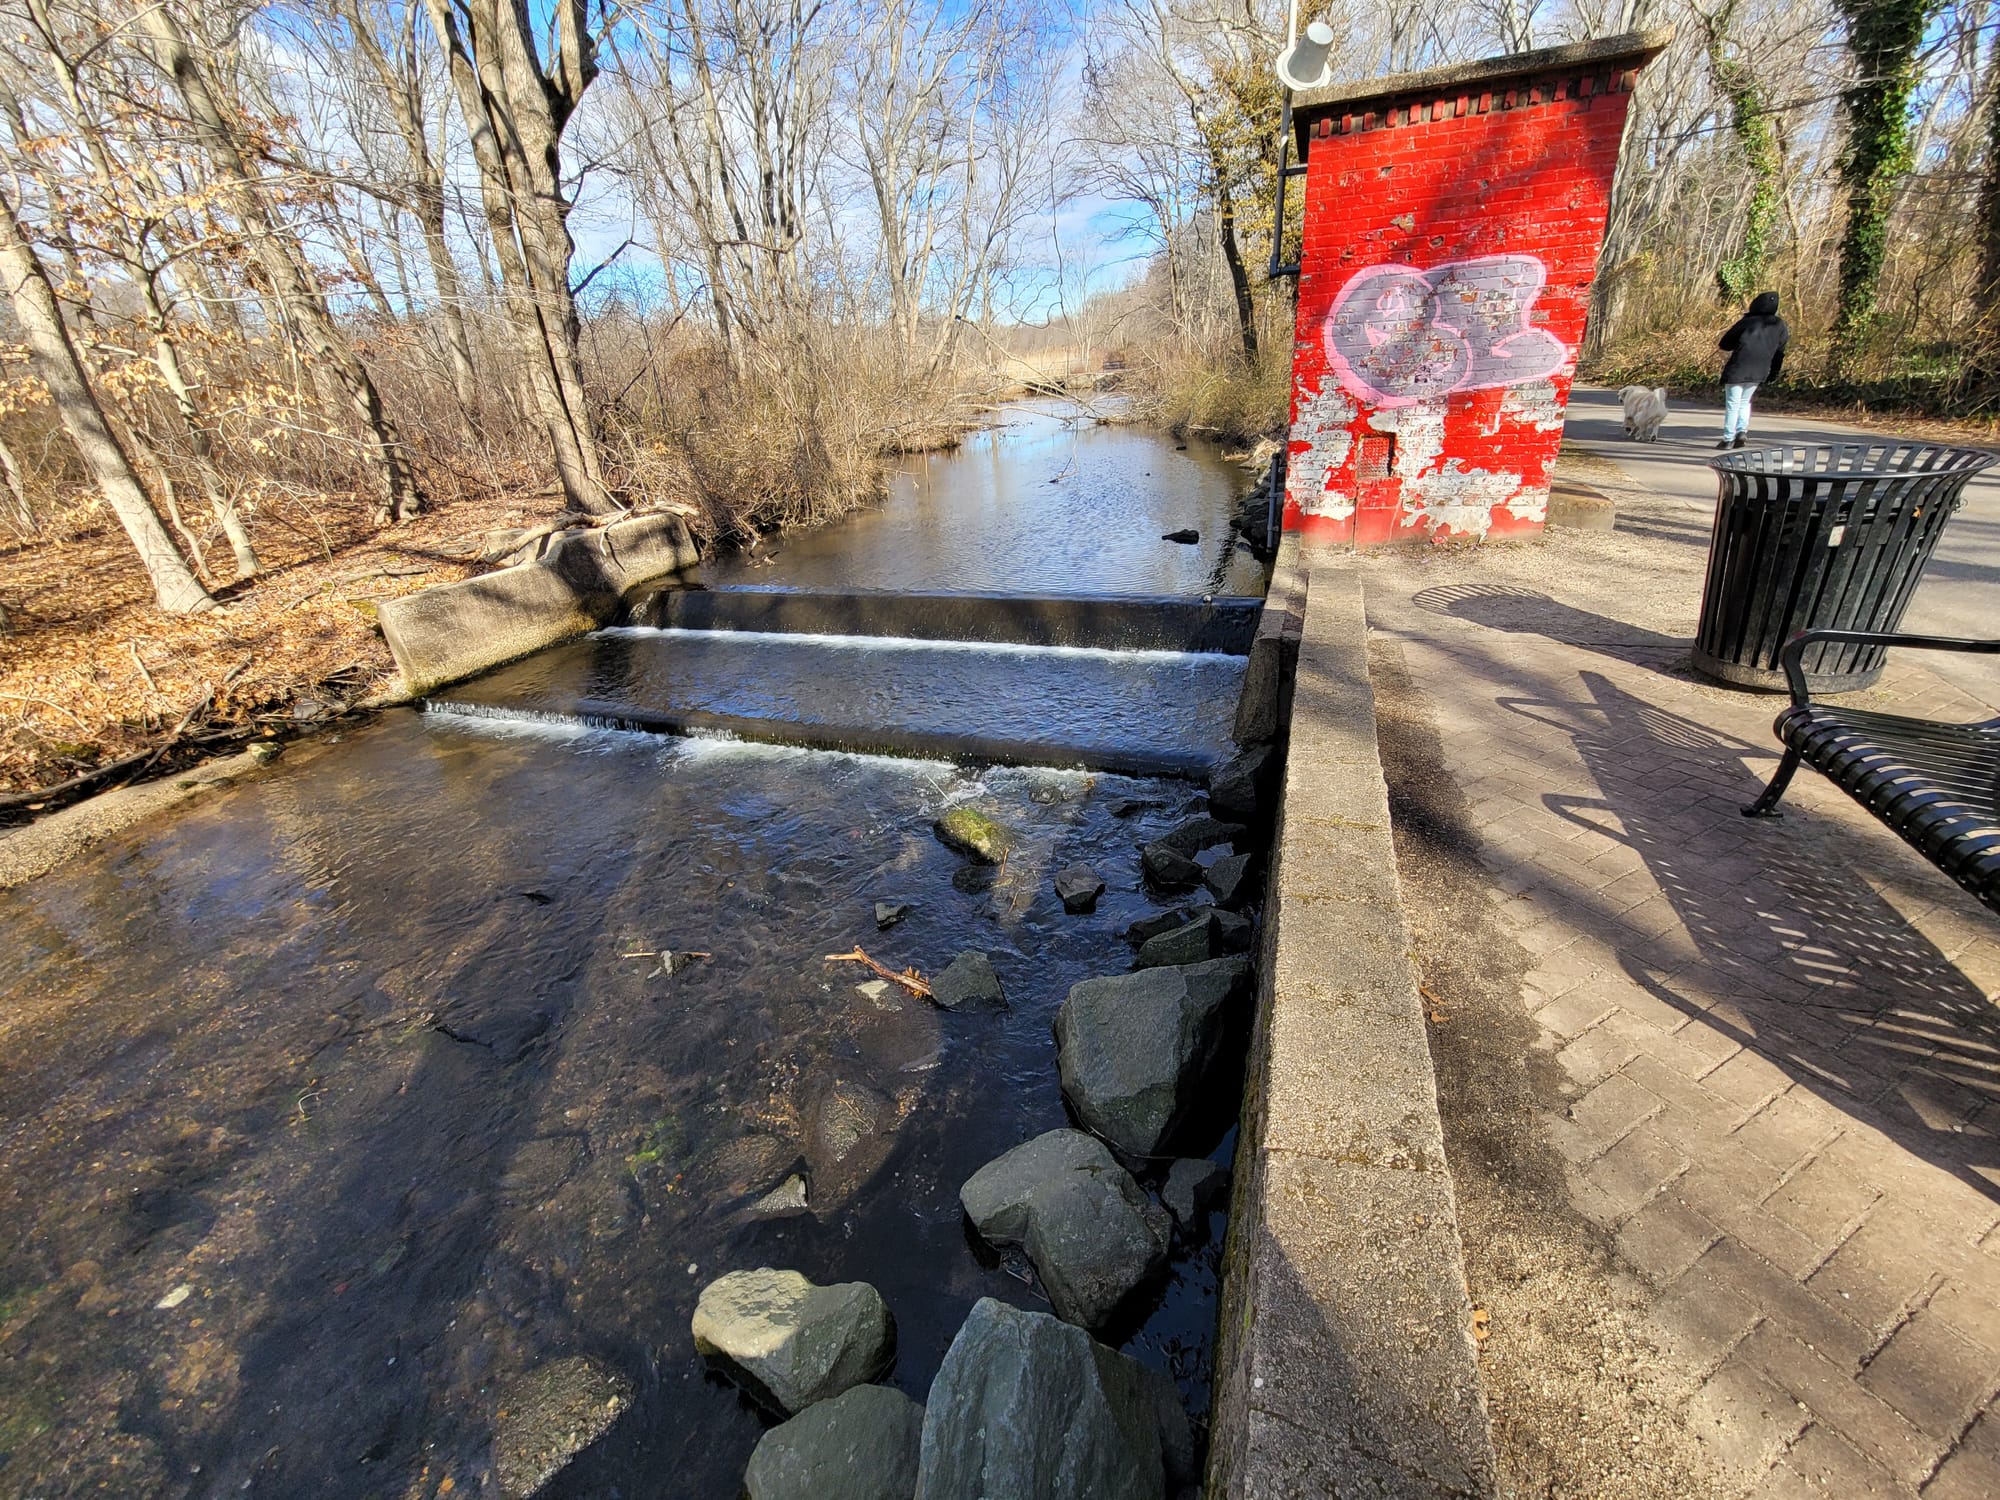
1287 169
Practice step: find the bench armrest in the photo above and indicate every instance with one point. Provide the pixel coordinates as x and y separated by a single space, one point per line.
1794 649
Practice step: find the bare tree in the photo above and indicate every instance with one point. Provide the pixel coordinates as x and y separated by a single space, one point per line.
516 105
60 368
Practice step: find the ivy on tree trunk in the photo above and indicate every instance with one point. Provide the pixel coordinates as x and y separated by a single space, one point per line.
1750 122
1882 36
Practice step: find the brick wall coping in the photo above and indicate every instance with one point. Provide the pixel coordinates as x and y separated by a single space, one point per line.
1375 100
1346 1363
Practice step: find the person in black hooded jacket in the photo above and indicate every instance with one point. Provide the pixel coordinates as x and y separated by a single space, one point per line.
1756 346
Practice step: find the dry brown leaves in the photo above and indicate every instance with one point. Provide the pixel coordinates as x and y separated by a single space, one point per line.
91 670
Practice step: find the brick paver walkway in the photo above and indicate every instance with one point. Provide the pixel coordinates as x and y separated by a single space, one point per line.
1779 1037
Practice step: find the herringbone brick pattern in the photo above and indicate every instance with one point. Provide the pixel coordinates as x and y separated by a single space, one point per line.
1779 1037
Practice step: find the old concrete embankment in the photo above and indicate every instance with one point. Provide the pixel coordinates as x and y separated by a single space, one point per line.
1346 1362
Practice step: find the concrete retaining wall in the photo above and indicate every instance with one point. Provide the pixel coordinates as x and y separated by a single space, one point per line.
1346 1364
443 634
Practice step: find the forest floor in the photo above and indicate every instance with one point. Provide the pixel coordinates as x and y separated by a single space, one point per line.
91 673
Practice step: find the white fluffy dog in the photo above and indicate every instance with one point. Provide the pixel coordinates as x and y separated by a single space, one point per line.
1645 410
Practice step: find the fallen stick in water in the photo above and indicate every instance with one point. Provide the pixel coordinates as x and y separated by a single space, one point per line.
908 979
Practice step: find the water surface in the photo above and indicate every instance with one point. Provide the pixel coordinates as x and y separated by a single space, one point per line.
374 1072
336 1101
1070 704
1048 501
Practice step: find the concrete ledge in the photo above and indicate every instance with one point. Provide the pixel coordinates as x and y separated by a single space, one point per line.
443 634
1346 1363
1117 622
1579 507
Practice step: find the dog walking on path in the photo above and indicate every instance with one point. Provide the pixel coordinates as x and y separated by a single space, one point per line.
1645 410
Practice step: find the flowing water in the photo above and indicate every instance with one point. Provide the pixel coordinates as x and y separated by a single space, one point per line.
339 1100
1047 502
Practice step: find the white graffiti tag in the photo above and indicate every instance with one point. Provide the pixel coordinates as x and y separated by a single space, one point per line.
1396 335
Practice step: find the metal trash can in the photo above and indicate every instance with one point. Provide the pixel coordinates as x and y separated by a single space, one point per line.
1826 537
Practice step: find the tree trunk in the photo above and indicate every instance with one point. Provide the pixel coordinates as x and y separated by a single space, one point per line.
1750 121
284 270
1883 36
56 362
515 113
1988 293
1239 278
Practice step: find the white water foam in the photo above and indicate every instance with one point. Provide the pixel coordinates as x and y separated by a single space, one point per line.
916 643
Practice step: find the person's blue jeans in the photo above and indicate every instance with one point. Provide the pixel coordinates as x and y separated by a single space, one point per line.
1735 411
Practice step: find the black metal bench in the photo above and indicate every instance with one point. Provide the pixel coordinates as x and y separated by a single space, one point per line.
1936 784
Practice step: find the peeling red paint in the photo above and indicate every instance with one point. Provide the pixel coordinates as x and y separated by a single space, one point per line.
1427 399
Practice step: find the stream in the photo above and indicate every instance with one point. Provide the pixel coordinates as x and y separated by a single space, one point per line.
336 1101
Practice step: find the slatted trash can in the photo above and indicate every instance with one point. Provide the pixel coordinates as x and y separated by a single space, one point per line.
1827 537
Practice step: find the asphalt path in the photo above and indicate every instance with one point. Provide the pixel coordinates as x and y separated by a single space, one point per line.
1959 594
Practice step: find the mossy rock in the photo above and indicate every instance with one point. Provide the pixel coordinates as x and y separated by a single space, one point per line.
972 833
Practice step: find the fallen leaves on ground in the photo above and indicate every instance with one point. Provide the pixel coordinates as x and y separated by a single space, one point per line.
92 672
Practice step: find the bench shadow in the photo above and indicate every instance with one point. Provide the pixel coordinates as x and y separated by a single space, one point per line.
1794 954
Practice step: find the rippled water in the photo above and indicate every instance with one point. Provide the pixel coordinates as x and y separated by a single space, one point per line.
374 1072
344 1096
1047 502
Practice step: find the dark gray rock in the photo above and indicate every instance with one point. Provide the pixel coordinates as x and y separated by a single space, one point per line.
1232 880
791 1343
1192 1191
1147 928
968 983
1189 943
1091 1231
1241 786
861 1445
1134 1049
1027 1406
889 913
1079 886
1187 536
1167 866
1197 834
1125 807
550 1415
1234 933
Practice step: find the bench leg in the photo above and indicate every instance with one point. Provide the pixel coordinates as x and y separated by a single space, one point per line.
1766 806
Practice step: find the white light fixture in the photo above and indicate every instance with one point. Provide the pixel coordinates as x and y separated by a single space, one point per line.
1304 62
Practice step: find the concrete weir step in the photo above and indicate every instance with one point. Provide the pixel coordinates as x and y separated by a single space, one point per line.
1223 623
961 749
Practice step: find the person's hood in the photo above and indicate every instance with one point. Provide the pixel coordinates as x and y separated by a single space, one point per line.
1764 305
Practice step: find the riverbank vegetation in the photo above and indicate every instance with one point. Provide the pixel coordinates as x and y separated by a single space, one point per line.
314 302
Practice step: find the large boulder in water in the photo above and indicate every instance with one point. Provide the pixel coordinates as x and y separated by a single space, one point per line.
861 1445
551 1414
1133 1049
972 833
1091 1231
1027 1406
791 1343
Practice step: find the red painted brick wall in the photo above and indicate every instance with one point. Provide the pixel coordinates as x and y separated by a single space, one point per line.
1450 242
